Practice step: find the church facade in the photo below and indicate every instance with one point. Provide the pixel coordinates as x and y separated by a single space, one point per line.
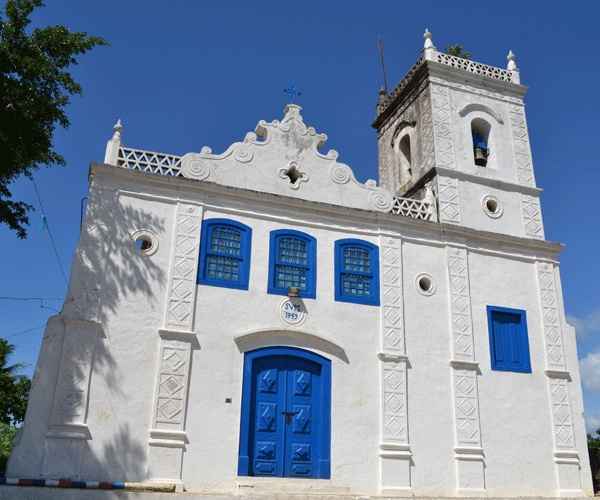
259 320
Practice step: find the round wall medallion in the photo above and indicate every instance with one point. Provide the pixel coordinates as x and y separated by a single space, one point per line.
424 284
491 206
292 311
145 242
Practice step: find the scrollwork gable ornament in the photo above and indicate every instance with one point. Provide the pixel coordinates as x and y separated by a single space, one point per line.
278 158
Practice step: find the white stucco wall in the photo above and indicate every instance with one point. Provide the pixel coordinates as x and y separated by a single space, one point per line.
515 419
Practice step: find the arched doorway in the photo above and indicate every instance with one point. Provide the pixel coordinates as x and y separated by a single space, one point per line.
286 414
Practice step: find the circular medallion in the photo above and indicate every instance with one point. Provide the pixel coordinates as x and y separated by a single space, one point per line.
292 311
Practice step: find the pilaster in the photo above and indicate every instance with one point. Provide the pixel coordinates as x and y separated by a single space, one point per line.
68 432
167 436
394 445
468 450
566 457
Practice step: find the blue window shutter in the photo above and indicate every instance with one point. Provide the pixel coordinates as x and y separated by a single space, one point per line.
225 248
292 263
509 342
356 270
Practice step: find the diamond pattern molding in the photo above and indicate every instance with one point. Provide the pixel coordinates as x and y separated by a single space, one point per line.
392 314
460 305
448 200
532 217
444 142
464 370
522 151
466 408
555 359
184 266
564 437
394 425
171 387
395 428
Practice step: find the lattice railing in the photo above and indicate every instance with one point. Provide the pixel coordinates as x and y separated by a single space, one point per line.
149 161
164 164
474 67
416 209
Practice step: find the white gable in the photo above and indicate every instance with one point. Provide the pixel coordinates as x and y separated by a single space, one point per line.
283 157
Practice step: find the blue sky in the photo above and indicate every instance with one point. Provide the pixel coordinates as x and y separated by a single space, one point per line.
186 74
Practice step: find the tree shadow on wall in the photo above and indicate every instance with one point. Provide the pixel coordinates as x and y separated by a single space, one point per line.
111 306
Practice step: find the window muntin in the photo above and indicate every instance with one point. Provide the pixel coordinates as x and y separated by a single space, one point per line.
356 272
224 254
292 263
509 342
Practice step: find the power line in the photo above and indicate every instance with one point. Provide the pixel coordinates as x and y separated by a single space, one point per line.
28 330
47 226
30 298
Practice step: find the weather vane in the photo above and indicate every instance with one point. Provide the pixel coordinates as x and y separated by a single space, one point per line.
293 92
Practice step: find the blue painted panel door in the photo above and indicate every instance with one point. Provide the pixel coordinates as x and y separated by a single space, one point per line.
285 417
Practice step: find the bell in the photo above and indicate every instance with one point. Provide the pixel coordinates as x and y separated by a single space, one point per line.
481 155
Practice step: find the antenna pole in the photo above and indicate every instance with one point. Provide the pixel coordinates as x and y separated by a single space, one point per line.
381 59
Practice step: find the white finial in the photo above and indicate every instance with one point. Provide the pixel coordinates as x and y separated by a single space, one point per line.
512 66
512 61
428 41
117 128
428 47
111 154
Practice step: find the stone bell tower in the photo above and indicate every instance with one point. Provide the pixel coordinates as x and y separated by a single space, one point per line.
458 127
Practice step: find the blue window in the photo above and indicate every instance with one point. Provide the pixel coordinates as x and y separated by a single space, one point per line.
224 254
509 343
356 272
292 263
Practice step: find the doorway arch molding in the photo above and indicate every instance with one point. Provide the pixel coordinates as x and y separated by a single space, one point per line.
273 337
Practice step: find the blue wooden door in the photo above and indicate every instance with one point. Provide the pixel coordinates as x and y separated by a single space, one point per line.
288 424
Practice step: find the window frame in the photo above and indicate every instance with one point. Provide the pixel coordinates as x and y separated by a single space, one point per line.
525 362
207 228
311 275
373 250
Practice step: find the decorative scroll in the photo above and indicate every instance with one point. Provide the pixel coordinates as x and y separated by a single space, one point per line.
460 305
448 199
522 151
532 217
392 314
395 426
184 265
555 359
444 142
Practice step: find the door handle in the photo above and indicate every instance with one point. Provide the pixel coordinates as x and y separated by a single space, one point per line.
288 415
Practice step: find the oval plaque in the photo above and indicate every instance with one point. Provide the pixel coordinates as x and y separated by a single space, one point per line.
293 311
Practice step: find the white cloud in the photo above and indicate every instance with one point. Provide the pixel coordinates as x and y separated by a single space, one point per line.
587 324
590 371
592 423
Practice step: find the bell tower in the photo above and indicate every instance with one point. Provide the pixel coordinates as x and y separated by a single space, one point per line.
458 127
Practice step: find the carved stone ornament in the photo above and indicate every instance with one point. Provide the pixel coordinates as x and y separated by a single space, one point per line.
193 166
278 157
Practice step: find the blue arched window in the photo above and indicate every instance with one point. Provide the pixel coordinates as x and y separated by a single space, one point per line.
292 262
356 272
225 247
